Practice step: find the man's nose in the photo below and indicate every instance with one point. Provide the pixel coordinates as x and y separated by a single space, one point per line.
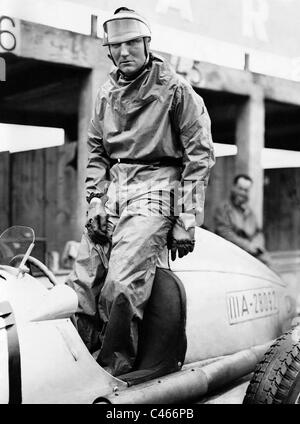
124 49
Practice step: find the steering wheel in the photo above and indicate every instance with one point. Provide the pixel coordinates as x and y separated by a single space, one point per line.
33 261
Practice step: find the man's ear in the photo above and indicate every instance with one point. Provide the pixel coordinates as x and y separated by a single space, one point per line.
110 56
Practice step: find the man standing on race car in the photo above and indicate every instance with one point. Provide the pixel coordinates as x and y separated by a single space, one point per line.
150 150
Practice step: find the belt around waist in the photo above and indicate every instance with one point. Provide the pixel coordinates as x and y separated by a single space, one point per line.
160 162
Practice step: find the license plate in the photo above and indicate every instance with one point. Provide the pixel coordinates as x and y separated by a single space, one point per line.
247 305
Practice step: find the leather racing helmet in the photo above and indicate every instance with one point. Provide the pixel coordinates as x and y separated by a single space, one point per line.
125 25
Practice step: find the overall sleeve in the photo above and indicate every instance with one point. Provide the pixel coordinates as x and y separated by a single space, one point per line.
97 172
194 130
224 228
258 238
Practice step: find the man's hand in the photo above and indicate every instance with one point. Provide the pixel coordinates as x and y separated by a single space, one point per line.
259 252
256 247
97 221
181 241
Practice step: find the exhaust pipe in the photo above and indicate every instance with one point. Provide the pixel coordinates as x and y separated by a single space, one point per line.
191 383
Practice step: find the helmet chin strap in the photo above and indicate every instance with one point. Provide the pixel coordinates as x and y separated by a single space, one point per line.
111 56
137 73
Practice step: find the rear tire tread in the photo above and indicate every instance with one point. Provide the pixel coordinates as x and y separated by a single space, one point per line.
275 373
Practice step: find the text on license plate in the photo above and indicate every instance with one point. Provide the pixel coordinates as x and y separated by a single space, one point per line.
246 305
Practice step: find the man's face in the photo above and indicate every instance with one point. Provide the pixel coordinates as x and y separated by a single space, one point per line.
129 56
240 192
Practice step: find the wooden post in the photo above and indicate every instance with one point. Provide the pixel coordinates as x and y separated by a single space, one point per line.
250 142
94 24
85 112
5 187
247 62
90 87
60 195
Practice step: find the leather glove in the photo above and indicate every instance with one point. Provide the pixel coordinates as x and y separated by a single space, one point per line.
180 241
97 221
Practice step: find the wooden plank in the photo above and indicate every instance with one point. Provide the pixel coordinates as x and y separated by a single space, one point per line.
55 45
61 195
220 78
51 209
28 190
250 132
278 89
282 209
210 76
4 190
218 187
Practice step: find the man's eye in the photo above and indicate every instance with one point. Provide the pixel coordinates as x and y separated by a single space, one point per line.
115 46
134 42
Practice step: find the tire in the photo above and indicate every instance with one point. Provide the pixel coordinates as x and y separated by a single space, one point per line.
276 378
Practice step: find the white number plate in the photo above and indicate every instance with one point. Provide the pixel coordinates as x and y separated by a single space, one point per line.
246 305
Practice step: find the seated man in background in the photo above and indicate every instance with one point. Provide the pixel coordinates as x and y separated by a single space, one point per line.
235 221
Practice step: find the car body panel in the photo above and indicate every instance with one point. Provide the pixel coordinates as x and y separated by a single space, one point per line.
57 367
233 300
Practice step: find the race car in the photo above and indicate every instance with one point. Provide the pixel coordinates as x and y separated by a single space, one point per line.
211 317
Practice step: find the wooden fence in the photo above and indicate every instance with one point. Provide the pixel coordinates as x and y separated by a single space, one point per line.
38 188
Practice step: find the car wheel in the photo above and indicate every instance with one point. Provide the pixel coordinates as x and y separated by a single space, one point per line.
276 377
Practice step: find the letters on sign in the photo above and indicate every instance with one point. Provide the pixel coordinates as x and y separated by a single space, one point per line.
189 69
8 40
255 17
184 8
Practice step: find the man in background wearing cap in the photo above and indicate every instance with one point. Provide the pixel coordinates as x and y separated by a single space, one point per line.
149 144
